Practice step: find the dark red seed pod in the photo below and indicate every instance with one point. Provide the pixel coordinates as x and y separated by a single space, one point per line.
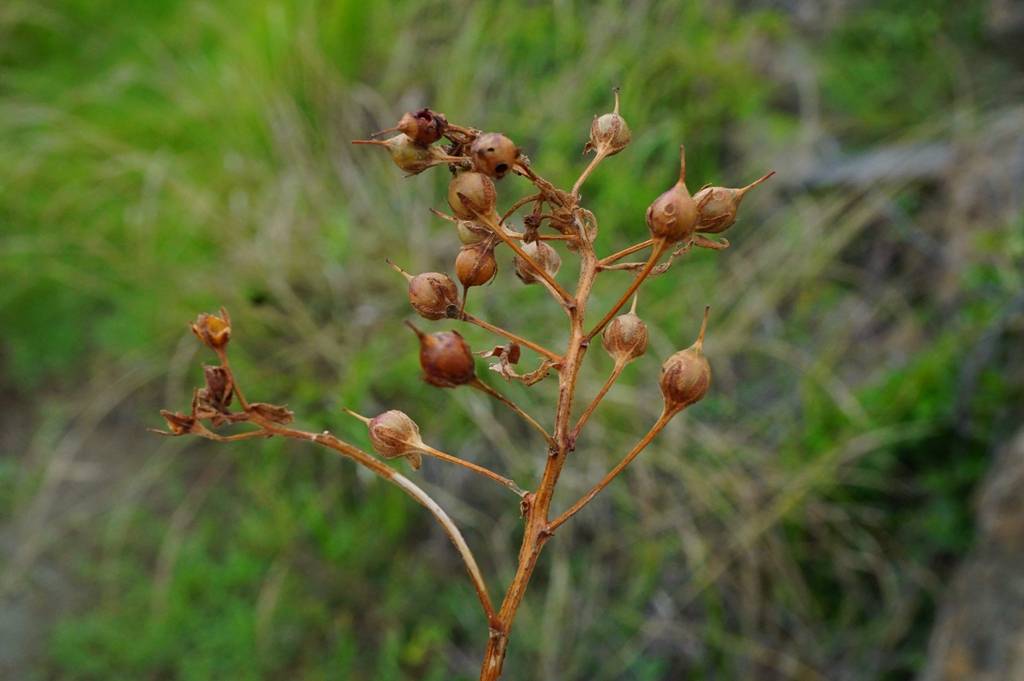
445 358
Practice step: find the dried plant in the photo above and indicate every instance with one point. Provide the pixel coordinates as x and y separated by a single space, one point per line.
476 159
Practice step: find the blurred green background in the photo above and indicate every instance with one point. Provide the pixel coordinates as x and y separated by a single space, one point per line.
162 158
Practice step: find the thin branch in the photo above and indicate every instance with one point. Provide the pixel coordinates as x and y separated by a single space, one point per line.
604 262
659 248
484 388
486 472
585 416
519 204
665 417
598 157
499 231
515 338
407 486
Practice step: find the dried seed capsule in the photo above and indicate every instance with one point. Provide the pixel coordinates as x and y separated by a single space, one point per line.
411 157
609 133
424 126
214 331
625 337
479 191
394 434
493 154
433 295
717 206
673 215
542 254
686 375
471 232
475 265
445 358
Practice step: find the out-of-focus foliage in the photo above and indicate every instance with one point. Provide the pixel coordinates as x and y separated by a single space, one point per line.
166 157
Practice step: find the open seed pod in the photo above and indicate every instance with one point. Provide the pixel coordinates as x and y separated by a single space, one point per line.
625 337
717 206
673 215
424 126
609 133
445 358
542 254
493 154
686 375
479 191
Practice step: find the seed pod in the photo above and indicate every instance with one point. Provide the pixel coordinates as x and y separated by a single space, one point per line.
686 375
445 358
433 295
393 434
479 191
673 215
214 331
542 254
471 232
625 337
411 157
424 126
609 133
493 154
717 206
475 265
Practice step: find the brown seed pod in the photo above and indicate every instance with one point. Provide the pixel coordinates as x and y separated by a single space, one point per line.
542 254
609 133
411 157
393 434
433 295
424 126
493 154
625 337
717 206
475 265
471 232
445 358
214 331
478 189
673 215
686 375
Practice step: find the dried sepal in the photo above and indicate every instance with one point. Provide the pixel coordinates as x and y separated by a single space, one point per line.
219 389
445 358
272 412
177 423
213 330
686 375
609 133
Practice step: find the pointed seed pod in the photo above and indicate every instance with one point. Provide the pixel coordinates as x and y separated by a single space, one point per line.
475 265
609 133
686 375
393 434
493 154
445 358
673 215
424 126
411 157
625 337
542 254
479 191
717 206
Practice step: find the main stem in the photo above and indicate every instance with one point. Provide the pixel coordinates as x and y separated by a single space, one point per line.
537 506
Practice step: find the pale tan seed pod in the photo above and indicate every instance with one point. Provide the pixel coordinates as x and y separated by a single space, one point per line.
493 154
673 215
433 295
478 189
717 206
609 133
411 157
445 358
542 254
625 337
394 435
686 375
471 232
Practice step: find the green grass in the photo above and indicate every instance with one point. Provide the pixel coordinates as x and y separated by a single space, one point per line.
165 158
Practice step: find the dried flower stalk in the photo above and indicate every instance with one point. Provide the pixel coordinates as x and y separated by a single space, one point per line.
477 160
